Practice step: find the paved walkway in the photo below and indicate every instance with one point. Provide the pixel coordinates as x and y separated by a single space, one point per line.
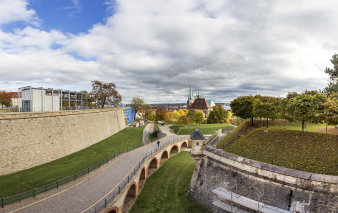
82 194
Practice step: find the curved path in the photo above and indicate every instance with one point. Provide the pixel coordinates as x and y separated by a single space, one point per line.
80 195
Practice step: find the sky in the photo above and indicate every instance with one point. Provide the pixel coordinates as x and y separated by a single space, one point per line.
156 49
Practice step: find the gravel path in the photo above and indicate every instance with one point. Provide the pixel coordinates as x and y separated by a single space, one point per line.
81 194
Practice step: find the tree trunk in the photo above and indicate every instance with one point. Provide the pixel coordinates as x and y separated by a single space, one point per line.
252 120
267 122
326 128
303 126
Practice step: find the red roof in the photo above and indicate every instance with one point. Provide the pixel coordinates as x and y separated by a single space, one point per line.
200 103
13 94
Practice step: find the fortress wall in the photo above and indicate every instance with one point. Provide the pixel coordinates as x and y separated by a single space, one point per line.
273 185
31 139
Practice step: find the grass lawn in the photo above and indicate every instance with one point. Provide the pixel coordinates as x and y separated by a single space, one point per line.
50 172
206 129
166 190
309 151
310 127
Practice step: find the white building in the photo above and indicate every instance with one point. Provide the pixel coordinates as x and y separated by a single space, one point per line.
41 99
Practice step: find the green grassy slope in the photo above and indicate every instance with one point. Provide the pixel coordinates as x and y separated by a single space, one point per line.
206 129
309 151
166 190
37 176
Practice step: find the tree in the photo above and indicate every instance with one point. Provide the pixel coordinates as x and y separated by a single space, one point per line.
217 115
330 111
333 73
162 114
184 120
199 117
266 107
303 107
5 100
137 104
146 107
149 115
242 107
106 93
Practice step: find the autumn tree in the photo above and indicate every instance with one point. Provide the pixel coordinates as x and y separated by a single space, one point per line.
5 99
332 87
106 93
137 104
217 115
162 114
330 111
243 107
149 115
199 117
184 120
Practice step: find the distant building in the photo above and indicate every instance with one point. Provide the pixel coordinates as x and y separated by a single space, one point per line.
40 99
14 98
199 103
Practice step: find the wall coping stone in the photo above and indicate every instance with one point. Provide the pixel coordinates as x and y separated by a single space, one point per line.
30 115
276 169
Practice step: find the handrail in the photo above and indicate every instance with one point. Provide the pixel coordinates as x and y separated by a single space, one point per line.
102 204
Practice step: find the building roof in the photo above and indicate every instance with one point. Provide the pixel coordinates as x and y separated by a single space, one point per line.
197 135
211 103
200 103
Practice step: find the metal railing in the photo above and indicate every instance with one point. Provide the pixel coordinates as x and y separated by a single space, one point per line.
103 203
56 184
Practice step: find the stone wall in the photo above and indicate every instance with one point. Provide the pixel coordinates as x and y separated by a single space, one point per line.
31 139
276 186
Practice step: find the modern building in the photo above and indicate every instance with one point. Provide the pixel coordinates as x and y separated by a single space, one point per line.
41 99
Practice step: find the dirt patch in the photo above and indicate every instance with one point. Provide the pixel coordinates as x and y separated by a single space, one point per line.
330 130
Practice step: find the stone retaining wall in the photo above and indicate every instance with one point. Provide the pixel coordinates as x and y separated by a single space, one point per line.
272 185
31 139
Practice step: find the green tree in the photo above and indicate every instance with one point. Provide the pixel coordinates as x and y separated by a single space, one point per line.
266 107
332 87
243 107
330 111
149 115
146 107
137 104
106 93
217 115
199 117
5 100
162 114
303 107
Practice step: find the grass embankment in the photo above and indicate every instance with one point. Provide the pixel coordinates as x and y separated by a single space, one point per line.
309 151
38 176
233 135
166 190
206 129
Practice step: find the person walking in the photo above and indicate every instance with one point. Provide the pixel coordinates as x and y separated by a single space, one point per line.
158 143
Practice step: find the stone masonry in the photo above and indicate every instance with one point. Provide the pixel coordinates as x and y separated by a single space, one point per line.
32 139
276 186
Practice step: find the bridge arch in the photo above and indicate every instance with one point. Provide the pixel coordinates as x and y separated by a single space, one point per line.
130 198
184 144
164 157
174 150
142 178
153 165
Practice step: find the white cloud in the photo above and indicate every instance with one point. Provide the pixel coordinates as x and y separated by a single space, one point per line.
156 49
16 10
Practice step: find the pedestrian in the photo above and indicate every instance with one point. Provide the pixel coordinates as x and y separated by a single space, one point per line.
158 143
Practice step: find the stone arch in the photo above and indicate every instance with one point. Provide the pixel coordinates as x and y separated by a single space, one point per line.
174 150
130 198
164 157
152 166
184 144
142 178
113 210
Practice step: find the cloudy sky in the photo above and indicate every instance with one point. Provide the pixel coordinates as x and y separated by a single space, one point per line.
155 49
